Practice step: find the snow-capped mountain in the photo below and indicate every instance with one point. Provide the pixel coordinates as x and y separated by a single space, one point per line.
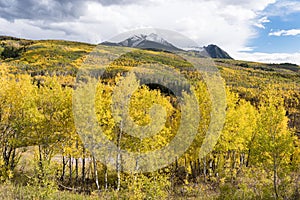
156 38
151 41
135 40
155 42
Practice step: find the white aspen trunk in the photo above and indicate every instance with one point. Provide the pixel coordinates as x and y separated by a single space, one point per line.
119 157
96 173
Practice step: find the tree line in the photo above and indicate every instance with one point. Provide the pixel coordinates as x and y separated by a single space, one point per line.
256 157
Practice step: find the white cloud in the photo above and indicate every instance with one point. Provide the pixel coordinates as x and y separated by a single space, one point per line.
291 32
269 57
227 23
283 8
22 28
253 5
260 23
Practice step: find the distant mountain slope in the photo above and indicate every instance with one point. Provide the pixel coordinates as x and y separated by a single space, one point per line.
154 41
216 52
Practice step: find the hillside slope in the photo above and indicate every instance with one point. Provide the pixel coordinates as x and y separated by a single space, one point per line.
64 58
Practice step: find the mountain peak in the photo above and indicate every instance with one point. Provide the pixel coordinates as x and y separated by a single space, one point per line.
216 52
151 37
146 41
155 42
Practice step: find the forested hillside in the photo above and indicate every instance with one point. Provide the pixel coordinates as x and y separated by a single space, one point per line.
257 155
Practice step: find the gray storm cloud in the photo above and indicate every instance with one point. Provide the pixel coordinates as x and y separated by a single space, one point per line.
49 10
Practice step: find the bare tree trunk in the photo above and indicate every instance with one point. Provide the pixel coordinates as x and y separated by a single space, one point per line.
174 174
234 160
204 168
13 158
198 167
211 165
9 152
248 158
275 178
64 162
242 158
119 157
233 165
217 164
105 178
70 169
96 173
76 165
192 169
83 167
41 162
76 170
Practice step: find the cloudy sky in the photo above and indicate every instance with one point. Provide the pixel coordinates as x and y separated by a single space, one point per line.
259 30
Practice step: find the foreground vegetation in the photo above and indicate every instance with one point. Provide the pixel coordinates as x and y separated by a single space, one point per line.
42 155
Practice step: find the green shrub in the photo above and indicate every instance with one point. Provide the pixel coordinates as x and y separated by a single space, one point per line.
11 52
140 186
